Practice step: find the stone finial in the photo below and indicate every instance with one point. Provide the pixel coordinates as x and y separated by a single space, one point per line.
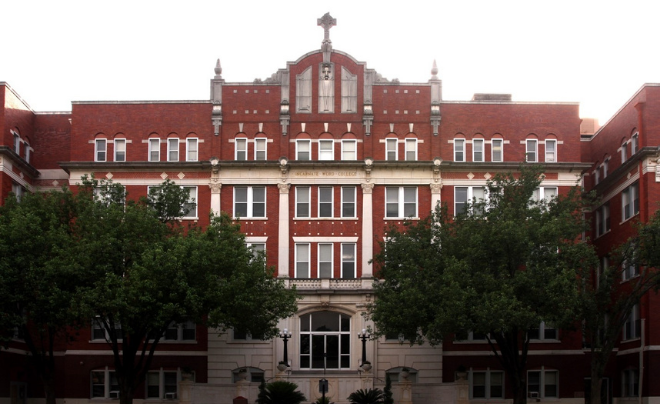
434 71
218 68
326 22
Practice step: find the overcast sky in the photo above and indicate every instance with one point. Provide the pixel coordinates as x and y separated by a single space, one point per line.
597 53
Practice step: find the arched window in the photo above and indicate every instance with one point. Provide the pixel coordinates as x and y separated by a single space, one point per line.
325 340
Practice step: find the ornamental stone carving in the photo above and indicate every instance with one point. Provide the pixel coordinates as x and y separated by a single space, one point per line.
367 188
284 188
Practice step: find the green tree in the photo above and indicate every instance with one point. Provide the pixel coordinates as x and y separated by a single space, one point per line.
146 272
37 283
608 302
367 396
281 392
500 268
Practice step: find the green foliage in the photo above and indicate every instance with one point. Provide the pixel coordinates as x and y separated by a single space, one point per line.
281 392
368 396
387 392
500 268
322 400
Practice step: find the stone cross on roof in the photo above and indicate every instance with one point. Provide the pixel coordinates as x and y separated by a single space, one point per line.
326 22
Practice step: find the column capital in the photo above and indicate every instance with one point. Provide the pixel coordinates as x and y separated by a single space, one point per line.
367 188
436 188
215 186
284 188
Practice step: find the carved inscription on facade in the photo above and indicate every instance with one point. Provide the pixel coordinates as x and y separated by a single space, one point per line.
326 174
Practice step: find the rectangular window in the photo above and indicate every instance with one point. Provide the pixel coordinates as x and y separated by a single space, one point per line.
348 261
391 146
630 201
17 189
191 149
550 151
326 150
17 144
544 194
487 384
325 260
100 379
606 164
497 150
249 202
180 332
631 328
348 202
154 149
302 261
530 150
190 207
477 150
349 150
603 219
634 143
302 202
173 149
240 149
120 149
167 379
325 202
100 146
303 150
27 152
544 332
542 384
463 195
411 149
630 383
260 148
459 149
624 152
401 202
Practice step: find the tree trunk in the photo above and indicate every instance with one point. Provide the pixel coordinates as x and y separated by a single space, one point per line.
125 395
596 382
49 390
519 389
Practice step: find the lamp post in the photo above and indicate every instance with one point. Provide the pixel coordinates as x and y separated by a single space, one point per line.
285 335
364 336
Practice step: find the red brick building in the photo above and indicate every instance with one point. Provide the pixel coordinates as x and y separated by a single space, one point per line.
316 162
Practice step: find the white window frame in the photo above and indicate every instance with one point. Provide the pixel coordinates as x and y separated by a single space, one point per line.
302 258
17 143
180 331
331 201
551 155
411 149
391 149
306 191
479 149
348 260
624 152
27 152
119 148
250 201
301 152
400 194
172 152
603 224
305 337
531 153
346 152
488 377
470 197
240 149
154 149
256 248
345 192
331 248
630 383
543 375
163 391
541 194
631 327
101 155
326 155
18 191
261 148
545 331
630 202
634 143
191 213
98 328
493 150
108 391
192 153
606 164
459 149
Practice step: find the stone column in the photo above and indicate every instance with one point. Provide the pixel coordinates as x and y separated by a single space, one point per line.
435 195
215 186
283 232
367 230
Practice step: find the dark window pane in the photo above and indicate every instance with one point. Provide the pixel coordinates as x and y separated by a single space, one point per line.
325 321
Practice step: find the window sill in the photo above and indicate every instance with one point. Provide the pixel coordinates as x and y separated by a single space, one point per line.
601 235
633 339
251 218
324 218
628 219
401 218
